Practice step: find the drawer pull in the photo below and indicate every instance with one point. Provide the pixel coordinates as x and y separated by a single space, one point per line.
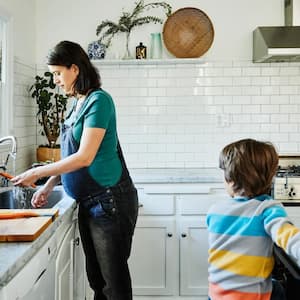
77 241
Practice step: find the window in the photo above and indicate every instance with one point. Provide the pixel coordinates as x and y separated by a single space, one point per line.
6 73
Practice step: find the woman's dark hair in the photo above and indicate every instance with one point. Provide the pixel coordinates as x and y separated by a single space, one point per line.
66 53
250 165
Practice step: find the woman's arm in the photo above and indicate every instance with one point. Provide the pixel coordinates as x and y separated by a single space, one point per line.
89 144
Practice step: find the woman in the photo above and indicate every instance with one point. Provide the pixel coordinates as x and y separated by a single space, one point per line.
92 171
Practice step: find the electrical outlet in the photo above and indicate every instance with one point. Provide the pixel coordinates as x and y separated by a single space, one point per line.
223 120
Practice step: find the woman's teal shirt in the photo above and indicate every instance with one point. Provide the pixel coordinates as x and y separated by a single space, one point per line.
98 111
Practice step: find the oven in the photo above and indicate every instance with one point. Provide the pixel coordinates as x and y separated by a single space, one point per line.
286 184
286 189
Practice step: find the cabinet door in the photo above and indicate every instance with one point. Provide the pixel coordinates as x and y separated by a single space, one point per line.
64 267
80 287
193 256
154 256
35 281
44 286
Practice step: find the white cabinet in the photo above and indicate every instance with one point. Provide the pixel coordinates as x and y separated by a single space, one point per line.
80 281
56 271
193 256
64 266
36 280
169 251
192 210
152 259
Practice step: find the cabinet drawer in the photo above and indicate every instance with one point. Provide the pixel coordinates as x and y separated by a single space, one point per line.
155 204
198 204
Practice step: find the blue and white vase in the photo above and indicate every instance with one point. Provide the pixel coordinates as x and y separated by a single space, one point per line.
96 50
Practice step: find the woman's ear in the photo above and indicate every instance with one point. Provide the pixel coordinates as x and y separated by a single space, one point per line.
75 69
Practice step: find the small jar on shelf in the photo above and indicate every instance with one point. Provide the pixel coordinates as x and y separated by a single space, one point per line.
141 51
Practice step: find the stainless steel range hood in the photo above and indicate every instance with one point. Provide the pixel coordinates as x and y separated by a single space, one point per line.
279 43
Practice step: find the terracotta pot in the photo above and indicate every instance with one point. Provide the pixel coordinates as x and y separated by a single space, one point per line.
44 153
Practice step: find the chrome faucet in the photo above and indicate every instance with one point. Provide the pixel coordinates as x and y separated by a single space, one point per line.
13 151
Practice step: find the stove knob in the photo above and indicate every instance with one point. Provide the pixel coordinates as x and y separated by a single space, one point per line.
292 193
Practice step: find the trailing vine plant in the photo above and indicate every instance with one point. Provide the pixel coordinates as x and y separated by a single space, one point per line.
127 21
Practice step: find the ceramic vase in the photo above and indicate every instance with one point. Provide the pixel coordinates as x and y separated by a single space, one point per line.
156 46
96 50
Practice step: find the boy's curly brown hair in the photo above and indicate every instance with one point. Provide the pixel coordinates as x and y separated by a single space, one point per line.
250 165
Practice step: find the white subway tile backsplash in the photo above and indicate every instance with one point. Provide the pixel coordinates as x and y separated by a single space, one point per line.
252 71
295 99
217 72
288 128
288 90
270 90
288 70
181 114
277 137
260 99
292 108
277 80
251 90
254 109
235 72
279 118
290 147
270 71
294 80
241 81
260 118
260 80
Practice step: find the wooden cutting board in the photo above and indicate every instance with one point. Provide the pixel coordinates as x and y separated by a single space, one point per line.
25 229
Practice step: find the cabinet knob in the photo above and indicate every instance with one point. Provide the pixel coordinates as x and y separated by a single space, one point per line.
77 241
141 205
170 234
183 235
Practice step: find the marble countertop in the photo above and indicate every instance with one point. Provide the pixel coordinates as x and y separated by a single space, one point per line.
14 255
177 175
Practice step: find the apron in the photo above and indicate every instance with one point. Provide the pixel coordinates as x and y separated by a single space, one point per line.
79 184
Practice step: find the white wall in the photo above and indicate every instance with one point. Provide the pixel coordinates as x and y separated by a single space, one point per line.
233 20
22 15
24 28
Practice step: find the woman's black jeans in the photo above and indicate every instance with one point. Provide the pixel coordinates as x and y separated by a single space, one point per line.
106 232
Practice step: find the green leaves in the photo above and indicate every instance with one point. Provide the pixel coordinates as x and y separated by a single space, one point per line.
127 21
51 106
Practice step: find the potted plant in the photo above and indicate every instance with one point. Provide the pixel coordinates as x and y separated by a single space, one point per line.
51 108
127 21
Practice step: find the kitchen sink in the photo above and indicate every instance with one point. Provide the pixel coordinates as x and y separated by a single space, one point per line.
21 198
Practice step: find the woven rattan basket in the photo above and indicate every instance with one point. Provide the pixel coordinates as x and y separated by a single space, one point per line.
188 33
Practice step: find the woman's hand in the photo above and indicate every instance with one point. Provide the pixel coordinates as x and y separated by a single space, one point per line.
40 197
25 179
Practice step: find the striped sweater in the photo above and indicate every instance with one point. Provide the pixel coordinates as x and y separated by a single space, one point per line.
241 236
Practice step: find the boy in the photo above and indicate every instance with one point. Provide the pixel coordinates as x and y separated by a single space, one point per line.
243 228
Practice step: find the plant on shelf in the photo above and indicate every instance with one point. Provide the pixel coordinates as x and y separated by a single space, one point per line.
127 21
51 107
